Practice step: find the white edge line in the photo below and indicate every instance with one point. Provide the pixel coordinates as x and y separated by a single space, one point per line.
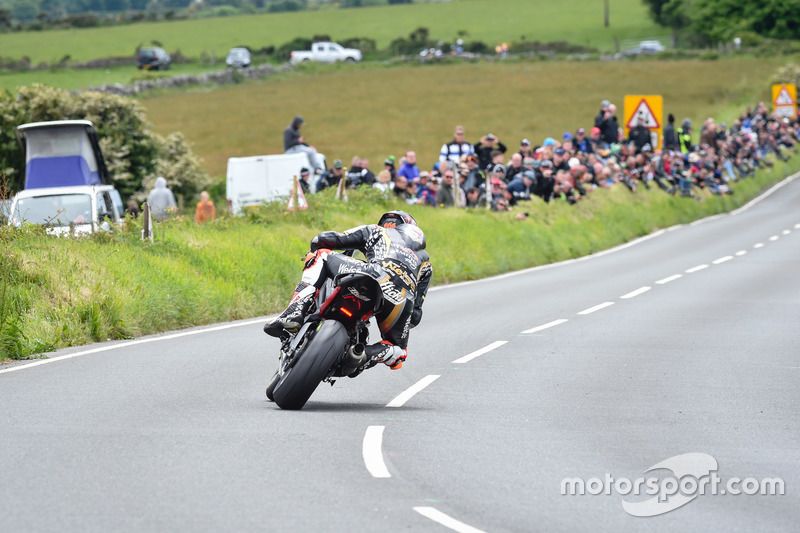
596 308
722 259
635 293
667 280
545 326
766 194
445 520
145 340
407 394
696 269
371 450
478 353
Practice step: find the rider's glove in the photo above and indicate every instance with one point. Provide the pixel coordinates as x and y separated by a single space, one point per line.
416 316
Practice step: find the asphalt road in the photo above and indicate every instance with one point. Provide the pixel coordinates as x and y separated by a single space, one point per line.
685 342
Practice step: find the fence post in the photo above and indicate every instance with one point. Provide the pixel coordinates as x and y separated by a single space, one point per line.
147 222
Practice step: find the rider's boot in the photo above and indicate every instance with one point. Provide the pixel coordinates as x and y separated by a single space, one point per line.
292 317
387 353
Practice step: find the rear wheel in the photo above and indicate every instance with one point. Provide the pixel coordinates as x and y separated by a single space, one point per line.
313 364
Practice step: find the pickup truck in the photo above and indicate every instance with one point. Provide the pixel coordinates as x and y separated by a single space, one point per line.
325 53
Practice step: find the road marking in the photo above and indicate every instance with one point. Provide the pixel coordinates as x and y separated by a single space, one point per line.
697 268
774 238
545 326
797 226
785 232
407 394
758 245
446 521
635 293
371 450
722 259
740 253
667 280
768 193
133 343
478 353
596 308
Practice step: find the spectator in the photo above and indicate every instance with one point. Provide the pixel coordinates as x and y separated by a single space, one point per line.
639 135
581 142
453 150
430 196
354 173
303 180
293 142
409 168
520 186
132 209
400 189
388 164
514 168
205 208
566 142
425 192
685 136
599 146
670 142
607 122
367 177
384 182
475 176
412 190
708 135
544 182
485 147
449 194
560 158
475 198
332 177
525 149
161 200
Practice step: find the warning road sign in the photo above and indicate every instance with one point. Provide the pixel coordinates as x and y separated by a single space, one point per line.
647 110
784 99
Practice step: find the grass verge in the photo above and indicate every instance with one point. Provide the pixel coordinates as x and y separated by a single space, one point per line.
64 292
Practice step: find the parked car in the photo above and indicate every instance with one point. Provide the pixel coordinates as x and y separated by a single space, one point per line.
73 210
153 58
238 57
643 48
325 52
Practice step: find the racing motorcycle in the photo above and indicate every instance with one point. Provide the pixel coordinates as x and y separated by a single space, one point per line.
331 342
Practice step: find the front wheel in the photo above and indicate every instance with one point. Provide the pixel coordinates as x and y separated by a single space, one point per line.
273 382
312 365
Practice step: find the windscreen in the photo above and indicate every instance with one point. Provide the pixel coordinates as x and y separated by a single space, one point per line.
54 210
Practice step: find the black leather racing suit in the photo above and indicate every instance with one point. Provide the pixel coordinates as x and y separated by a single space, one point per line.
395 256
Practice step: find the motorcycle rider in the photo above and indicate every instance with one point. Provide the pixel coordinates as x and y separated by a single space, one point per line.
396 257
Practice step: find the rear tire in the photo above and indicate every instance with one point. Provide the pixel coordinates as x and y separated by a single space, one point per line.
314 362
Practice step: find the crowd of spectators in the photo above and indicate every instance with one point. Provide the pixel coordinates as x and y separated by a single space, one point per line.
568 167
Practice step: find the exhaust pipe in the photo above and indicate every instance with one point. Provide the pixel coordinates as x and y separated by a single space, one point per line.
354 358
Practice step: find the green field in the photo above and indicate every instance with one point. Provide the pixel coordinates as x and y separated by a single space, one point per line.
491 21
375 112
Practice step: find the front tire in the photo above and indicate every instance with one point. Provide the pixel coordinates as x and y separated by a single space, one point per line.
313 364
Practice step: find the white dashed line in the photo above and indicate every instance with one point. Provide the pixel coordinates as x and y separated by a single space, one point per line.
447 521
722 259
406 395
478 353
774 238
596 308
371 450
545 326
797 226
740 253
786 232
667 280
635 293
697 268
758 245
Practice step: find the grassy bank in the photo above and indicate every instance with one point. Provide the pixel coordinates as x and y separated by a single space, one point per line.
62 292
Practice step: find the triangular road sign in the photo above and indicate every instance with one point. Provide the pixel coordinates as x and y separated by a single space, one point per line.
784 98
643 115
301 198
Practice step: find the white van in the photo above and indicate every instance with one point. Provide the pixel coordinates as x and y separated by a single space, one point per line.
73 210
258 179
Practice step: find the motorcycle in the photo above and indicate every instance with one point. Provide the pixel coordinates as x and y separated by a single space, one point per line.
331 342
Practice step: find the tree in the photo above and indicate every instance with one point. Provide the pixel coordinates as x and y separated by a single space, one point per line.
24 10
673 14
